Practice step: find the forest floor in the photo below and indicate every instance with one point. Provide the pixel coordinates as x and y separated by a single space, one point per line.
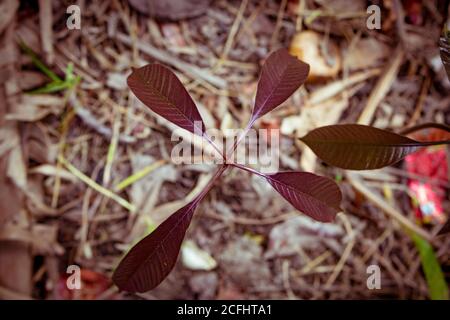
86 169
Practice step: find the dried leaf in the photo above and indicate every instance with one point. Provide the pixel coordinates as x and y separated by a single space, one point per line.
281 75
195 258
7 13
144 192
316 196
309 47
300 231
204 284
35 107
8 190
366 53
17 169
50 170
242 260
41 237
160 90
116 80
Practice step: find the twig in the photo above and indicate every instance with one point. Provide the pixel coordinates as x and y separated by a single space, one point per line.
233 31
192 71
400 21
88 118
311 265
422 126
138 175
382 87
346 254
280 15
94 185
112 149
84 228
249 221
299 21
419 105
45 22
286 282
67 119
382 204
332 89
378 175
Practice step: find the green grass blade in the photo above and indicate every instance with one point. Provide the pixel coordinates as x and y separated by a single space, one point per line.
38 63
52 87
437 287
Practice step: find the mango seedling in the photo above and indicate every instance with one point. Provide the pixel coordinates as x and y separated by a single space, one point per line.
348 146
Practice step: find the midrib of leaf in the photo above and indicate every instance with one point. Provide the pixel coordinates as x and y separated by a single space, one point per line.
160 244
255 116
412 144
163 97
362 144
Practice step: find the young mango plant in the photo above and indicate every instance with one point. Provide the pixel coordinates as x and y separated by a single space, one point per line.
350 146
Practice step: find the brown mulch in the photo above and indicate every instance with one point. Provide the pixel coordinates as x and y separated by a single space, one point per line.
68 147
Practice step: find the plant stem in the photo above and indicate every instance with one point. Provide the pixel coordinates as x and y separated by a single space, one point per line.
433 143
214 146
211 182
239 139
422 126
251 170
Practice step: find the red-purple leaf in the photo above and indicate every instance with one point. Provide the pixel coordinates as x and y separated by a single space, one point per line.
151 259
318 197
160 90
281 75
359 147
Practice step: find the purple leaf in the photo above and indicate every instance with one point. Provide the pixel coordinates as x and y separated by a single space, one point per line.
160 90
316 196
281 75
149 262
359 147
